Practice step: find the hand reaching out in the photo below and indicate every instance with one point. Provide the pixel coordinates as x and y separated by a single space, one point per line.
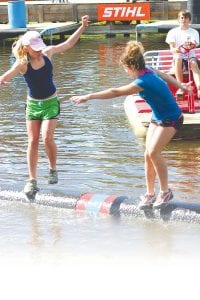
188 87
79 99
2 81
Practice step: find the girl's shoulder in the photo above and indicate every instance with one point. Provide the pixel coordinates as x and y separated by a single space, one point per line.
48 52
146 70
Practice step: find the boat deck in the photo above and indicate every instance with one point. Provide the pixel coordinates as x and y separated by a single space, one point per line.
140 122
139 112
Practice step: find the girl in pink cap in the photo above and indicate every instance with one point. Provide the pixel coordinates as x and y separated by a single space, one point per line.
33 61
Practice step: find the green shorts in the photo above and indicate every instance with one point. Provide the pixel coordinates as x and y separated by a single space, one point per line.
43 109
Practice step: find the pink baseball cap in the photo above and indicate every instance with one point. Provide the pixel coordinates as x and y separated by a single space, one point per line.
34 40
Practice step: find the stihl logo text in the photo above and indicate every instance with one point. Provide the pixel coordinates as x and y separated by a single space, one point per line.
113 12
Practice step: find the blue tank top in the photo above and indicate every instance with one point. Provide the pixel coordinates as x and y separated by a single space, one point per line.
40 82
158 95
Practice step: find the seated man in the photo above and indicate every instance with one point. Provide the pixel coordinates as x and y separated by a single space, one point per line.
188 37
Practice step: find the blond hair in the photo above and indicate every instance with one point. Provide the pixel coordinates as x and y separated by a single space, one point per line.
19 52
133 55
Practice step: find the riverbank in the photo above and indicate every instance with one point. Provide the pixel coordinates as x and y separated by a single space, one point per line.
46 11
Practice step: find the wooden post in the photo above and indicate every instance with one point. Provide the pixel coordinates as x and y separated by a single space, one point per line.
110 23
40 14
75 13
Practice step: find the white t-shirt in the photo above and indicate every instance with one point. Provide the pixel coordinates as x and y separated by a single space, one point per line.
180 36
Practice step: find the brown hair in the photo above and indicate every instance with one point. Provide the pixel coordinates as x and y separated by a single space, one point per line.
133 55
185 13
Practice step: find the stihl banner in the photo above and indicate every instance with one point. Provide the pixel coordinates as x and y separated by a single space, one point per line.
123 12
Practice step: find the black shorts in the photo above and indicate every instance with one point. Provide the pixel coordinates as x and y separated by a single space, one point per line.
170 123
185 63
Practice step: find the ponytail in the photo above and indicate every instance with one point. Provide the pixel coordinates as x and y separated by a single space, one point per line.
133 55
19 52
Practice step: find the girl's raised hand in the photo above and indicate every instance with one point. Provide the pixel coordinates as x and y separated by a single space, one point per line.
85 20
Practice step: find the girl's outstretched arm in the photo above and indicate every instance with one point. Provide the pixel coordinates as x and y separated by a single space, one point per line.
109 93
70 42
12 72
186 87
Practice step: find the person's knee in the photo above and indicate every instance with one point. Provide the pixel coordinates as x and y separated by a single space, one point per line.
194 66
178 60
47 139
33 142
178 65
151 153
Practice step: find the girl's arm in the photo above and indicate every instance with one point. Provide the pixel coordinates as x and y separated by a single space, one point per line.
109 93
186 87
12 72
70 42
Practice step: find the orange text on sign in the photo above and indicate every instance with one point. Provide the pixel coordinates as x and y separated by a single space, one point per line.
123 12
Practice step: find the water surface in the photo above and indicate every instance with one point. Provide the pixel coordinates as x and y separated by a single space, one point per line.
98 153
